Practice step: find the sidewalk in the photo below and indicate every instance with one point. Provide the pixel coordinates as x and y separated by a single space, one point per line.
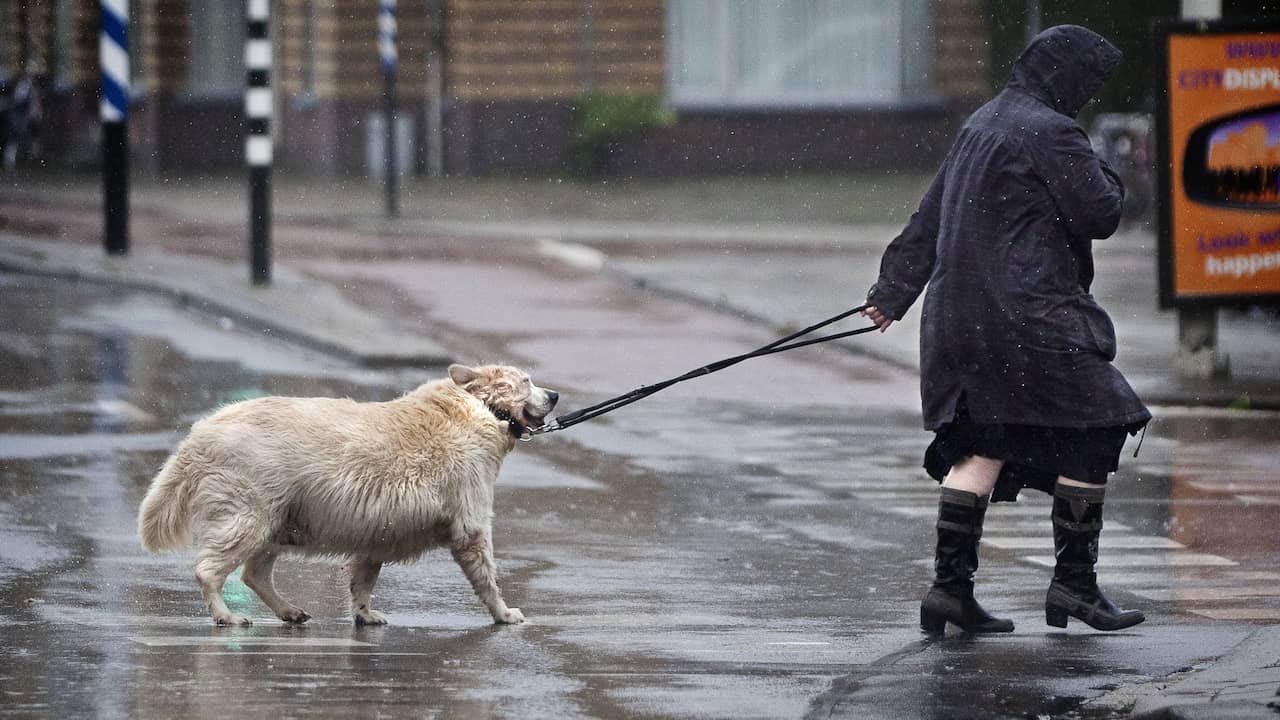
780 253
1244 685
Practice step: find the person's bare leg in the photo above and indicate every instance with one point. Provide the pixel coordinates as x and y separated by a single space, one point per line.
1062 480
974 474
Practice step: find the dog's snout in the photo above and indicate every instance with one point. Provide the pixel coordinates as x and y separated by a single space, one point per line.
552 397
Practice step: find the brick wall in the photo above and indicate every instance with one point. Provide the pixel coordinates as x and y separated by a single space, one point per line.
554 49
513 71
962 60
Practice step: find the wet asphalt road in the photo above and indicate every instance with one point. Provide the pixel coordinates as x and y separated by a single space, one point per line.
753 546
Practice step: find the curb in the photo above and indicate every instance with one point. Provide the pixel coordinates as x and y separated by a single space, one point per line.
1230 710
370 351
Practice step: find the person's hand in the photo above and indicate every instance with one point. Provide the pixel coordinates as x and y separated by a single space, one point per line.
881 320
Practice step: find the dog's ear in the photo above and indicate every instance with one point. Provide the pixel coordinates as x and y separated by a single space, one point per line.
461 374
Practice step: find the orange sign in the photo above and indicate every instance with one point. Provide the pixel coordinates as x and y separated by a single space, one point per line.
1220 140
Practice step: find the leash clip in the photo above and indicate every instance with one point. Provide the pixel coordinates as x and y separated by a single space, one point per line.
529 434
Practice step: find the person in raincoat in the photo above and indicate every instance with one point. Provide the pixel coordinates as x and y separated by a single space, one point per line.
1016 377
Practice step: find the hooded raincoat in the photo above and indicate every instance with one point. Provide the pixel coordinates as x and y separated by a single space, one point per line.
1003 237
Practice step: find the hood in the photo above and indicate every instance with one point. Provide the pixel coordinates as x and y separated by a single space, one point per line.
1065 66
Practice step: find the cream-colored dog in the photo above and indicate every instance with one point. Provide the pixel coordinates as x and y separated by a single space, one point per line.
376 482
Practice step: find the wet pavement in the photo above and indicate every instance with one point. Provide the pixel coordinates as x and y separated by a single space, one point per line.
752 544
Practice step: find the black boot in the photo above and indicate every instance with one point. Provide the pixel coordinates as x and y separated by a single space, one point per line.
950 599
1074 592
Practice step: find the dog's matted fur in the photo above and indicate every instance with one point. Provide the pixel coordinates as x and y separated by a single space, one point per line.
376 482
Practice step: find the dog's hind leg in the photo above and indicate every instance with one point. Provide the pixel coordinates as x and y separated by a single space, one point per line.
364 575
212 569
226 539
474 555
257 575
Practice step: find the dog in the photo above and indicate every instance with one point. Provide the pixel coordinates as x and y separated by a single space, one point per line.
376 482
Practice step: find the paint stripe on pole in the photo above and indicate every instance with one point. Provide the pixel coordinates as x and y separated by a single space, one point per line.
257 102
387 34
113 111
257 54
113 56
259 10
258 150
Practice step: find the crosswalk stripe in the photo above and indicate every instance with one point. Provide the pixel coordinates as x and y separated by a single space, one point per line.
1176 594
1272 614
1174 559
1184 577
228 639
1011 526
891 496
1235 487
1119 542
1259 499
993 514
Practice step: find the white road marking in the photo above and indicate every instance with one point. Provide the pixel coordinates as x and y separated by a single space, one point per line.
1235 487
181 640
1259 499
798 642
1180 594
1270 614
1108 542
1133 560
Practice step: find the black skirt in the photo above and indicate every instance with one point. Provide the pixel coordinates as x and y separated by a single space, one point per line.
1034 456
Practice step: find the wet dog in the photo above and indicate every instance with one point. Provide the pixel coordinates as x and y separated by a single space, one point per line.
375 482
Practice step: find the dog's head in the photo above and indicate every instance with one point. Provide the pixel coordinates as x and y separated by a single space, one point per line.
508 393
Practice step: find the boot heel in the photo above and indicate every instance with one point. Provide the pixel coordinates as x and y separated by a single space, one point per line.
1055 615
932 623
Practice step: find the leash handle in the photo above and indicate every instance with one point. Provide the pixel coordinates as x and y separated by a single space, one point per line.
780 345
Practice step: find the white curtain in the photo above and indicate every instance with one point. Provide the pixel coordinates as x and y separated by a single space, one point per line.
217 46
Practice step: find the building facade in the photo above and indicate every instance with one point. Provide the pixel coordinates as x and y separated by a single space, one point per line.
648 87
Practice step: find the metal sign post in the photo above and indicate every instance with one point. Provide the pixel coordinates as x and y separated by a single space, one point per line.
113 110
258 149
387 54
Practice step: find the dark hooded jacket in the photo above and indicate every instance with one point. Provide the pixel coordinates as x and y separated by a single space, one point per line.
1003 237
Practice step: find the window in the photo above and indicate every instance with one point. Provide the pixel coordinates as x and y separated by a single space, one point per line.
63 40
798 53
217 47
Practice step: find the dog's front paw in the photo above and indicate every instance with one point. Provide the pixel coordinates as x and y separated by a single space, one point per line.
370 617
296 616
512 616
230 619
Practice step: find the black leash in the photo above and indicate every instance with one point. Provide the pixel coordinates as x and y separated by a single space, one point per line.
780 345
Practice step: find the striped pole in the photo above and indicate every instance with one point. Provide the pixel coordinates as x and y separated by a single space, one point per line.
257 148
387 53
113 111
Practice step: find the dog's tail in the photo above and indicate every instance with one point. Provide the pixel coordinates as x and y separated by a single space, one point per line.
164 518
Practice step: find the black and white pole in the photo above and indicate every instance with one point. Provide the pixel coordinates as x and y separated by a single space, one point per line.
387 53
257 149
113 110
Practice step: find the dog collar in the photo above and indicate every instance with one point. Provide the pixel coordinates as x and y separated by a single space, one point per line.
517 430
